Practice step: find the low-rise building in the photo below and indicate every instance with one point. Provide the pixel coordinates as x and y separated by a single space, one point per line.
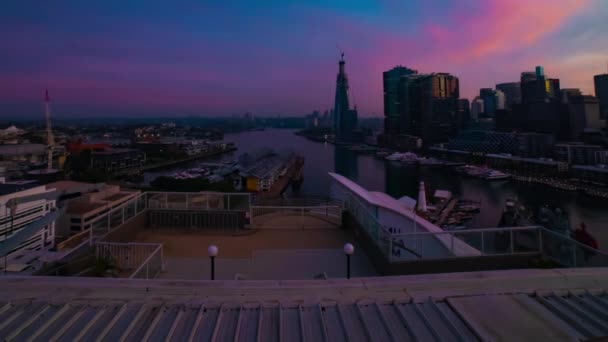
25 226
591 173
117 159
263 173
577 154
530 166
81 210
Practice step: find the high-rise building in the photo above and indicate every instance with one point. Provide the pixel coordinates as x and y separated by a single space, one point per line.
488 95
394 111
583 113
433 106
601 92
512 91
464 112
500 100
567 93
345 118
536 87
477 108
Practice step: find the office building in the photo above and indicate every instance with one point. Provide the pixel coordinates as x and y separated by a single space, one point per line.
583 114
27 224
488 95
464 112
394 103
567 93
601 92
537 87
345 117
477 108
433 106
512 92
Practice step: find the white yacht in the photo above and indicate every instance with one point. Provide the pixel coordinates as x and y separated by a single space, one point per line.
407 157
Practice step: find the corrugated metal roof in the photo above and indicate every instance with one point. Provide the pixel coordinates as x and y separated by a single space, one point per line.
137 321
486 306
556 317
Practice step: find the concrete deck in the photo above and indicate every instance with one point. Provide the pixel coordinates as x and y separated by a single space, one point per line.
262 254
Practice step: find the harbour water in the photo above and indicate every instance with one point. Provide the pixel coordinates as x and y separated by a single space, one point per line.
402 180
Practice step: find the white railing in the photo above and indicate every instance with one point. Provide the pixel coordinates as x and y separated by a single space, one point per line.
103 224
152 266
205 200
128 256
325 209
505 241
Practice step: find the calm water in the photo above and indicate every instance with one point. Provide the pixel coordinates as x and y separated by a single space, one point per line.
398 180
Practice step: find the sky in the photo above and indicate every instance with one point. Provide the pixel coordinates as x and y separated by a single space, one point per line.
278 57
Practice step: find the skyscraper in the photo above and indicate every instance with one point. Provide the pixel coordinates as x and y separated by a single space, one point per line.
512 92
345 118
488 95
432 106
394 109
601 92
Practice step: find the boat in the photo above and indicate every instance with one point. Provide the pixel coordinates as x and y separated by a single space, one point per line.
407 157
483 173
493 175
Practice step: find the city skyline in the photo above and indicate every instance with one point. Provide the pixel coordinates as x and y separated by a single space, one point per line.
119 59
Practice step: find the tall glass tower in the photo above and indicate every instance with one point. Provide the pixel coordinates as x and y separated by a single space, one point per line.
345 119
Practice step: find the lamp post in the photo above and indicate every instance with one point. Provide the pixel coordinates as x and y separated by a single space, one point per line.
212 251
349 249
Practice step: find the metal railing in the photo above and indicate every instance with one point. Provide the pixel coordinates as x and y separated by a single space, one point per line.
103 224
421 244
144 258
199 201
152 266
328 210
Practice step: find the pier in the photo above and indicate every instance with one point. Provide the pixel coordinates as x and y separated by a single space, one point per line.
294 174
150 167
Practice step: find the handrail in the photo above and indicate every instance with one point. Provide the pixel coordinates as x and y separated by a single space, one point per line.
468 231
147 260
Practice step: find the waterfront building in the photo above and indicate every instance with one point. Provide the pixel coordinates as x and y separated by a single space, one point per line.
512 91
577 154
597 174
535 145
583 114
433 106
261 174
528 166
27 221
601 92
117 159
93 201
395 100
345 117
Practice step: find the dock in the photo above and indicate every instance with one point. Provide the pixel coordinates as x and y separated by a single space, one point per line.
294 174
150 167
